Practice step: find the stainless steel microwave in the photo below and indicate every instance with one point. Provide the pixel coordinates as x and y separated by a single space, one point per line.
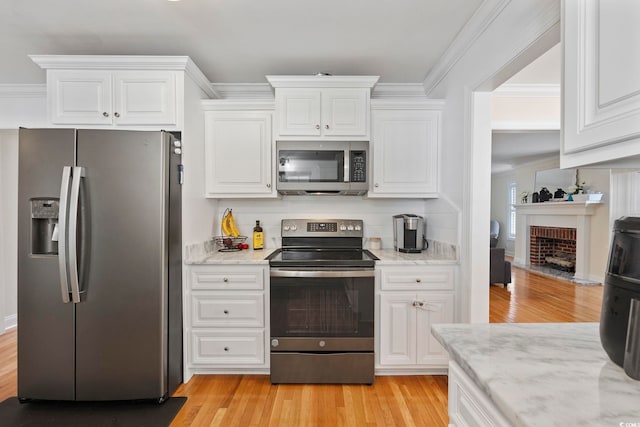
313 167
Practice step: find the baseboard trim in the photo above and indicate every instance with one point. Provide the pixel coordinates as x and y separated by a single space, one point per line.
10 322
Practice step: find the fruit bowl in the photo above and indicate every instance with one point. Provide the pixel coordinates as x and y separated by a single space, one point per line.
229 243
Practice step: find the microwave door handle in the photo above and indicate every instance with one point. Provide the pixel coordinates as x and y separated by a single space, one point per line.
62 231
347 162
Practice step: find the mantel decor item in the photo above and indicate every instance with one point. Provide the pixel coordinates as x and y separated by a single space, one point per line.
578 187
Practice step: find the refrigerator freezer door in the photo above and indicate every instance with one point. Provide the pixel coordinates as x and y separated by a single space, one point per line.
121 323
45 335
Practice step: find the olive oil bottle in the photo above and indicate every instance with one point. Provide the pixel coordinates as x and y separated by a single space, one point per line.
258 237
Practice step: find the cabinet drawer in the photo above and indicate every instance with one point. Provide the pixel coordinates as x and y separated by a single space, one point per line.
218 309
228 347
433 278
227 277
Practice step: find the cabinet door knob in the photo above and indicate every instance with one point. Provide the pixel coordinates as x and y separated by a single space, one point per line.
116 114
376 185
105 114
226 349
326 126
418 280
226 311
225 280
317 126
268 185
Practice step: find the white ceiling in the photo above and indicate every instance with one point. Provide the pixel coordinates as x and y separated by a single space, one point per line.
238 41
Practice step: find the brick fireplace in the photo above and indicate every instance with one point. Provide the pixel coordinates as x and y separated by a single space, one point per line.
553 247
538 221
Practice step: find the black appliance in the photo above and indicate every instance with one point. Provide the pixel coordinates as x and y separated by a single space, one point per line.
322 304
621 286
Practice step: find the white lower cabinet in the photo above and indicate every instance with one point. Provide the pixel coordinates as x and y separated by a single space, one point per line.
225 319
468 405
410 301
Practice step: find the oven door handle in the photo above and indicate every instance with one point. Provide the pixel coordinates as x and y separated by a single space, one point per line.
275 272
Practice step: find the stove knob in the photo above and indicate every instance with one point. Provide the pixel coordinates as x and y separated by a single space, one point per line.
358 228
350 228
275 343
286 228
343 227
294 228
322 343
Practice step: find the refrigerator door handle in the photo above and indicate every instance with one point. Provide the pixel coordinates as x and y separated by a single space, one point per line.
78 174
62 233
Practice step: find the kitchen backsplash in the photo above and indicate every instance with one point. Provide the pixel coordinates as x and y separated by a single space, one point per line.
441 218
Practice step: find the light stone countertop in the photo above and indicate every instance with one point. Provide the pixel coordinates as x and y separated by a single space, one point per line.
546 374
207 253
391 257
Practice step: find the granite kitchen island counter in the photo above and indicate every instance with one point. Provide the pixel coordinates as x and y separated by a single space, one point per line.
547 374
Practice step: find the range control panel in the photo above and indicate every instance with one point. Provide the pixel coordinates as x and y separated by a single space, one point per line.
322 228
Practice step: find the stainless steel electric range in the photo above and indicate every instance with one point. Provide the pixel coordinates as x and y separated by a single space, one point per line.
322 303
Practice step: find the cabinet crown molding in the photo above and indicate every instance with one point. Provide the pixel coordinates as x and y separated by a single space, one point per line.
323 81
126 62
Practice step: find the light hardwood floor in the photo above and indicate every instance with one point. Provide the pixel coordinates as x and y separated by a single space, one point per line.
250 400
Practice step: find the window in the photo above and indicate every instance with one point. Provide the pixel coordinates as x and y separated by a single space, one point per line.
512 211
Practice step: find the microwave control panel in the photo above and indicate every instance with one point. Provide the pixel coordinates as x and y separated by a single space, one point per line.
358 166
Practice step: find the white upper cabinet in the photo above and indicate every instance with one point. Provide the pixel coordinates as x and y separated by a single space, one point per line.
405 144
601 81
322 107
112 98
238 153
134 92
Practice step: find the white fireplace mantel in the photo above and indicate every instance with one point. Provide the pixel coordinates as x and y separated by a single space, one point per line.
556 214
557 208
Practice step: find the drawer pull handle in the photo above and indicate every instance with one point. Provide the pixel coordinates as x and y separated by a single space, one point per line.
226 349
226 312
225 280
418 280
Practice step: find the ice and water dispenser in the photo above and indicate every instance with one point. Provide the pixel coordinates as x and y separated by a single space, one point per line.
44 226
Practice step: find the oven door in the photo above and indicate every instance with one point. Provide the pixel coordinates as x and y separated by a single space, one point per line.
322 311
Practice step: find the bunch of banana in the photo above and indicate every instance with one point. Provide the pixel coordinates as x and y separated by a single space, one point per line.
229 227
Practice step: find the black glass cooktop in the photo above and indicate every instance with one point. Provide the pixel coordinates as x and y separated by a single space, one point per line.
322 257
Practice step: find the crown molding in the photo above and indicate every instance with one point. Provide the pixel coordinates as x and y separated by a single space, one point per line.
243 90
23 91
398 90
488 11
322 81
237 104
407 104
126 62
529 90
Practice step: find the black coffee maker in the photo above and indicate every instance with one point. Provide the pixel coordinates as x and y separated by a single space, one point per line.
621 287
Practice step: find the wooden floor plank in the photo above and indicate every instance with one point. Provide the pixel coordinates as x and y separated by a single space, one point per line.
251 400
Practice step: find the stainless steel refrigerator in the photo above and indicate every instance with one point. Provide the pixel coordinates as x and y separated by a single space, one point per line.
99 265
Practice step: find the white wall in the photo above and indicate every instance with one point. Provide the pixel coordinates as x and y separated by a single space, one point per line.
441 218
8 228
501 43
